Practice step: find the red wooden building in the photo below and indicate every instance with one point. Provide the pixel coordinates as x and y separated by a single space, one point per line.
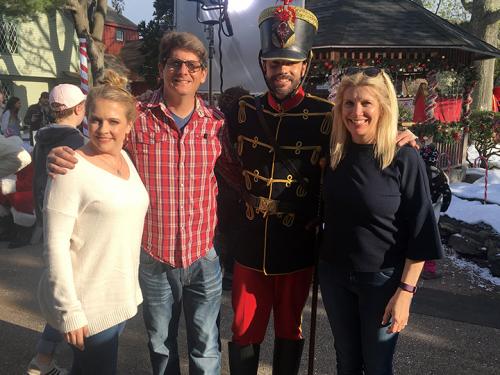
117 31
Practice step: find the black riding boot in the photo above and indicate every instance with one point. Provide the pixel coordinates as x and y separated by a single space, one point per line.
7 229
287 355
22 237
243 360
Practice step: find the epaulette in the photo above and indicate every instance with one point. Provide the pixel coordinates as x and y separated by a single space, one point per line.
246 97
245 100
320 99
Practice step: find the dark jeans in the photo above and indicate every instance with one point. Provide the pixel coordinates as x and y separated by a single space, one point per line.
100 355
48 340
355 303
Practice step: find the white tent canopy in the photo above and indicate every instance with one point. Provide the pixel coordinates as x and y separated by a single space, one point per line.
239 52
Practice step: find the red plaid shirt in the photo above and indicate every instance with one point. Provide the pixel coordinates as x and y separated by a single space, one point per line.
177 169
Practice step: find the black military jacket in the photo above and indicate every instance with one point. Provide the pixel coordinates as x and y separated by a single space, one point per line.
276 241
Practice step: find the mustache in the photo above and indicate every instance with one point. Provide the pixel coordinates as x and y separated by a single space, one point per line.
282 76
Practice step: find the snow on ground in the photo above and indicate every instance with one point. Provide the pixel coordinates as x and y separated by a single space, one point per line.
493 161
481 277
474 212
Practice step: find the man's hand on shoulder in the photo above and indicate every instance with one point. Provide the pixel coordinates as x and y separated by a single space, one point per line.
60 159
406 137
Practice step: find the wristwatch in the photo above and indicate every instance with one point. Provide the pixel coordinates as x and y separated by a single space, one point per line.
408 288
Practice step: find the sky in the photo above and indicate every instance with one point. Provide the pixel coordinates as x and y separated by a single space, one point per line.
138 10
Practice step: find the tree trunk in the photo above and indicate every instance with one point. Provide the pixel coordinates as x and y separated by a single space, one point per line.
484 24
92 30
96 45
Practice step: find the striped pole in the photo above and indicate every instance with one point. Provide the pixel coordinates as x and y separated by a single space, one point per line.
84 76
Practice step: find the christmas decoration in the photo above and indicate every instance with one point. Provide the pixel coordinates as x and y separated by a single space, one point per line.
334 82
430 99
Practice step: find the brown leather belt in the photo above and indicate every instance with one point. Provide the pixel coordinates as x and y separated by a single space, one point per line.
269 206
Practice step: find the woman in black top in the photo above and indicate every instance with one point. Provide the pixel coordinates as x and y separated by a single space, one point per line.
379 225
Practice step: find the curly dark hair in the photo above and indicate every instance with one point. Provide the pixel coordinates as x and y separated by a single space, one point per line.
229 98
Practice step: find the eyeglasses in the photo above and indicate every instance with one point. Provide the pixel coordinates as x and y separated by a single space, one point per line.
174 65
369 71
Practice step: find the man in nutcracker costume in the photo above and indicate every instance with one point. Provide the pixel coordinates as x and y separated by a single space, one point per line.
280 138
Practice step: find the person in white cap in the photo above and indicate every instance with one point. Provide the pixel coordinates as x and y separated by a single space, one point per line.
67 104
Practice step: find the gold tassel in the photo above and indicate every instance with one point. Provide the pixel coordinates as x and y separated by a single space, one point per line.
250 214
240 145
301 191
326 126
315 155
248 182
242 114
288 220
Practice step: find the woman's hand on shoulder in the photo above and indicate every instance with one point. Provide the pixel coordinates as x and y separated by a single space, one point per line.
397 311
60 159
77 337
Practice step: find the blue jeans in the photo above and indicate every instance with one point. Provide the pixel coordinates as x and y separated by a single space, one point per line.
355 303
166 291
48 340
100 355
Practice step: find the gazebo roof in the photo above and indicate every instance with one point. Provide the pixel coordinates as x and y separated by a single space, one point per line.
390 24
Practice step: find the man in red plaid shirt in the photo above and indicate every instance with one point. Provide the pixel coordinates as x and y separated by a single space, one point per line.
174 144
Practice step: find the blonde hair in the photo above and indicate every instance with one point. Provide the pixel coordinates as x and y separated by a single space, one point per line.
387 127
113 88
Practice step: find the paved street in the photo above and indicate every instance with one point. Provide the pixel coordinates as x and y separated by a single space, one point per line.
454 328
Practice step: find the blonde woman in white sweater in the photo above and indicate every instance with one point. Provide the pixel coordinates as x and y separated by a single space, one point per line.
93 219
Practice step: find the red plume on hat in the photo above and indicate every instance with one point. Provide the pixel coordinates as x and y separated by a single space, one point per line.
286 12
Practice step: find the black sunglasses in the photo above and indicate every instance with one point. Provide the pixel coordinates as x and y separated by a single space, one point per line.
369 71
174 64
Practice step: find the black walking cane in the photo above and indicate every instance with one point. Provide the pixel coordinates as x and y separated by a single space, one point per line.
317 244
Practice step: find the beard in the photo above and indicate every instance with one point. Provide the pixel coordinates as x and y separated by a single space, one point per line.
281 91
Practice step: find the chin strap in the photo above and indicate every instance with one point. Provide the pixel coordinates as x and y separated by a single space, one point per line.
302 79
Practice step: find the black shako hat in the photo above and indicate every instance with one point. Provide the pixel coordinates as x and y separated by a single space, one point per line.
286 32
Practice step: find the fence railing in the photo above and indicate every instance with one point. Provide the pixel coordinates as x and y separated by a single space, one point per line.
451 155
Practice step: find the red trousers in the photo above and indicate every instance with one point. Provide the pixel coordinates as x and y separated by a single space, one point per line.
255 294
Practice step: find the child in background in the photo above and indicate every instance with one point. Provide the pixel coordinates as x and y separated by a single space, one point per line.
440 195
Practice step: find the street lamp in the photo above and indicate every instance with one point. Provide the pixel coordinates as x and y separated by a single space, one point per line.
210 13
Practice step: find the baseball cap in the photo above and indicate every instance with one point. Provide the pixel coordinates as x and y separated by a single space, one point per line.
65 96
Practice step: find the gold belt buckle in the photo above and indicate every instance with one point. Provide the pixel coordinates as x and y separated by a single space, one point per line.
267 206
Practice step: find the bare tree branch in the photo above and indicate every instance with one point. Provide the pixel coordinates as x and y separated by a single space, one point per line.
467 6
71 5
437 8
492 17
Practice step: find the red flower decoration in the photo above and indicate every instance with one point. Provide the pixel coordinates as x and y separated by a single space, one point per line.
286 12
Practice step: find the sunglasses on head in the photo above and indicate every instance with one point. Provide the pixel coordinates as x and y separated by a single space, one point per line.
369 71
174 64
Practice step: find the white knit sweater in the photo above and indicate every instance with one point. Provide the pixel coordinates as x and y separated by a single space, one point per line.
93 228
